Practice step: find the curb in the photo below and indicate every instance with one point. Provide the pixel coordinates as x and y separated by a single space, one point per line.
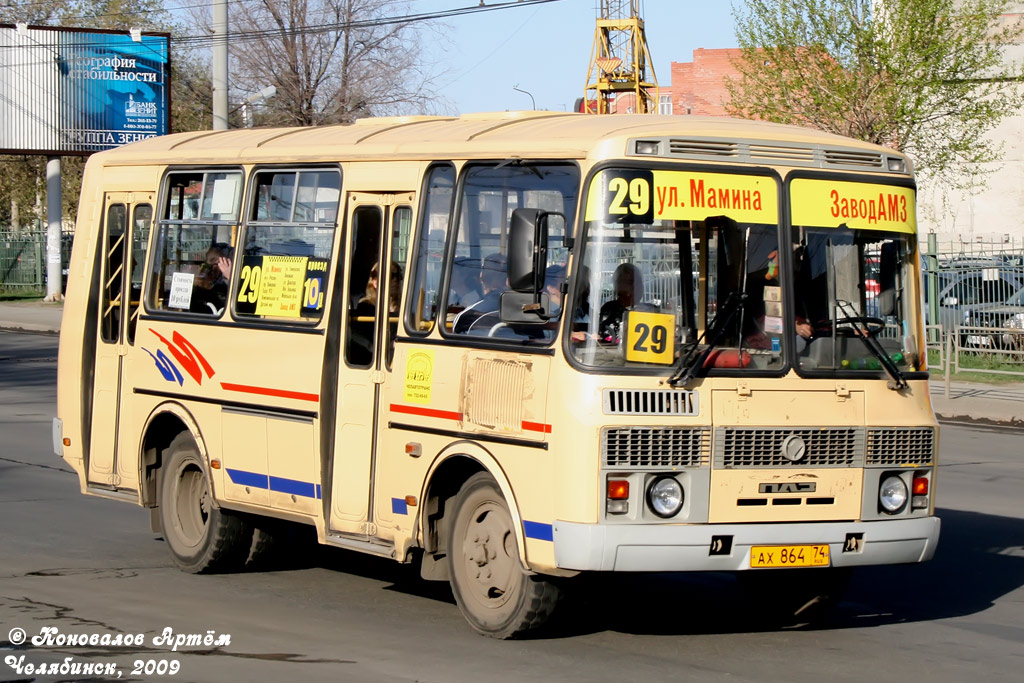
28 327
1009 423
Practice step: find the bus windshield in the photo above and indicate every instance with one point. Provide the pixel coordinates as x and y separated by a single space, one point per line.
852 273
672 258
691 269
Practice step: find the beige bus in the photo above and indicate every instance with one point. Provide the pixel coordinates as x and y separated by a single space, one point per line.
512 348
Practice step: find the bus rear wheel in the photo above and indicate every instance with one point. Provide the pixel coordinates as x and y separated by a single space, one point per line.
496 596
202 537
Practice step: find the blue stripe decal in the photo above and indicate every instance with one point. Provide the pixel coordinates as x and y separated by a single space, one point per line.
243 478
399 506
542 532
319 492
296 488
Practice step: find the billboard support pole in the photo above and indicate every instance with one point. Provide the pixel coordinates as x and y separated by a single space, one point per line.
220 65
54 210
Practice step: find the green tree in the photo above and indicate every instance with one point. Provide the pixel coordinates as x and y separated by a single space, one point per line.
927 77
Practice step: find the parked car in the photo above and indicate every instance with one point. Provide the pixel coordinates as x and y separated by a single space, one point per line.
1008 315
963 289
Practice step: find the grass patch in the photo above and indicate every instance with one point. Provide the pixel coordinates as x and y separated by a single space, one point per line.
20 295
973 367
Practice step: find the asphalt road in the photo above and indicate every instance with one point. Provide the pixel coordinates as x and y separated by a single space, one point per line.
82 565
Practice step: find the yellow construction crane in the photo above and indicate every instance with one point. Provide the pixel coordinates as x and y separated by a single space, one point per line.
619 62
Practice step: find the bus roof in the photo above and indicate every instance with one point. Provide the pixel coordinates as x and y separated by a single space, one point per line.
523 134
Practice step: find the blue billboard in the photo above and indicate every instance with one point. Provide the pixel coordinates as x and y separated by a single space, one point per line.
79 91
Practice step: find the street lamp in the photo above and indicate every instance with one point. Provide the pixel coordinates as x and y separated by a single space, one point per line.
532 101
263 95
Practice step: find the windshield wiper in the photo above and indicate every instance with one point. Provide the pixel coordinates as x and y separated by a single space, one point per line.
692 360
871 327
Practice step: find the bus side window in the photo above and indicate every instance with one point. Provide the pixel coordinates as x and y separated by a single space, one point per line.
432 231
198 226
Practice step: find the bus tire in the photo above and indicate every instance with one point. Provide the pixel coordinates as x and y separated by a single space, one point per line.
496 596
202 538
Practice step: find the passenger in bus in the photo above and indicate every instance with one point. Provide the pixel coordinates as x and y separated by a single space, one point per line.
628 285
364 316
484 314
465 290
210 287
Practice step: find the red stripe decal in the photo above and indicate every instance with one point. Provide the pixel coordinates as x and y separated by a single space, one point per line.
536 427
426 412
266 391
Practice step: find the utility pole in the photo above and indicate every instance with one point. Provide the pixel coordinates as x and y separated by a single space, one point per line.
619 60
220 65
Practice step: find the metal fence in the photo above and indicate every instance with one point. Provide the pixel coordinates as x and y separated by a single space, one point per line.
23 261
974 303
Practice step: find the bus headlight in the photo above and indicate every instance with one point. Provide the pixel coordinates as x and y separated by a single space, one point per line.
665 496
892 494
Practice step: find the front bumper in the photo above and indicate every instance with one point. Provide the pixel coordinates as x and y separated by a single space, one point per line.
679 547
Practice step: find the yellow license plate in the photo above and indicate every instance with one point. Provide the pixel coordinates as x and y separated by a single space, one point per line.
770 556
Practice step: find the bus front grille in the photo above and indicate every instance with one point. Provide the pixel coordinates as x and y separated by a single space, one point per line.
901 445
655 447
743 447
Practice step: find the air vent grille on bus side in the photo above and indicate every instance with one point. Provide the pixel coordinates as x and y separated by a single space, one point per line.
655 447
766 152
721 148
847 157
754 447
650 402
901 446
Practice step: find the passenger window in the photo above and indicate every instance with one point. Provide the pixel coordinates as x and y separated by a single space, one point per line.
285 261
432 232
195 240
479 267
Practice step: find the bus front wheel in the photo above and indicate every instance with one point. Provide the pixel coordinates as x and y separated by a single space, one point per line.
496 596
202 537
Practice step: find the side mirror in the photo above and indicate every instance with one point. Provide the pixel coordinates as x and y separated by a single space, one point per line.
528 248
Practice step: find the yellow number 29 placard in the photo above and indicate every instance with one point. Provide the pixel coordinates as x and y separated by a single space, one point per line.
650 337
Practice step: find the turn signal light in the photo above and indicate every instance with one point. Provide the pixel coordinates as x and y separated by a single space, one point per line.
920 487
67 441
618 489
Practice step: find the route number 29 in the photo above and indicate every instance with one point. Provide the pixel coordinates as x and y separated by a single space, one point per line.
650 337
629 196
637 190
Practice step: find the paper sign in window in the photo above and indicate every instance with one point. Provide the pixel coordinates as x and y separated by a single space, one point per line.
181 290
281 282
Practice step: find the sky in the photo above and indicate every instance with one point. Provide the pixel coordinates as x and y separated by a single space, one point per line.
545 49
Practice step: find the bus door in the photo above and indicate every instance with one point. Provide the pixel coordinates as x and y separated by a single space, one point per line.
371 282
117 290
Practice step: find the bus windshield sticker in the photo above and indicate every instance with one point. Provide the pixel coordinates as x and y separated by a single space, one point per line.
419 374
635 196
650 337
181 290
864 206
